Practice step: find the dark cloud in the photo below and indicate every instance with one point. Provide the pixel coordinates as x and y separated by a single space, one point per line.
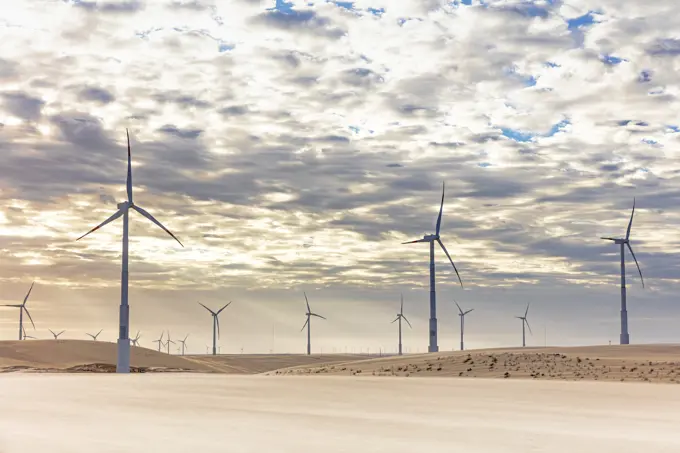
300 22
8 69
665 47
23 105
113 7
96 94
181 133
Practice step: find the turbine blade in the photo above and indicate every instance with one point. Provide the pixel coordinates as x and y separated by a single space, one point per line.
129 169
119 213
441 209
305 324
413 242
318 316
307 300
630 224
29 315
609 239
185 338
29 293
220 310
61 332
449 257
636 263
409 324
528 326
100 331
527 311
401 311
472 309
12 305
159 224
52 332
459 309
212 312
217 320
395 320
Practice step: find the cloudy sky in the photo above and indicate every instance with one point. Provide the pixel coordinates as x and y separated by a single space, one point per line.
292 146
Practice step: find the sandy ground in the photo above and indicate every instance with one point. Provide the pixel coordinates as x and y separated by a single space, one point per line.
183 412
645 363
260 363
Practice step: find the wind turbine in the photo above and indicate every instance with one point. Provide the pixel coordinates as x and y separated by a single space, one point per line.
123 361
524 321
399 317
462 314
216 325
27 336
308 324
159 341
184 342
22 308
625 338
168 341
56 335
94 337
135 340
432 238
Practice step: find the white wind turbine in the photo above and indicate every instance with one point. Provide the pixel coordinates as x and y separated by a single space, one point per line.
135 340
525 321
123 363
159 341
625 338
184 343
462 314
308 324
216 325
168 341
399 317
22 308
94 337
56 335
432 238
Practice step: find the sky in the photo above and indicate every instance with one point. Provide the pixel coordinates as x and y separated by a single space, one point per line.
293 146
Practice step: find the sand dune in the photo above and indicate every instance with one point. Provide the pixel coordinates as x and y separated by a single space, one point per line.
648 363
261 363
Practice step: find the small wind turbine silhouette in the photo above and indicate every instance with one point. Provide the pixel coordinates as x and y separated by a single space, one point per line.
94 337
462 314
184 342
159 341
135 340
168 341
431 239
625 337
56 335
308 324
123 361
399 317
28 336
22 308
216 324
525 321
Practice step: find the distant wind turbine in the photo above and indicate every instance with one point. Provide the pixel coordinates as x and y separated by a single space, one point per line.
168 341
94 337
56 335
525 321
308 324
184 342
28 336
462 314
432 238
123 363
399 317
135 340
160 341
216 325
22 308
625 338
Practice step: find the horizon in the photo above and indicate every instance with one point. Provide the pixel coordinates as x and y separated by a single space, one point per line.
293 146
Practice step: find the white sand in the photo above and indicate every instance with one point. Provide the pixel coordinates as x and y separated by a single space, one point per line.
218 413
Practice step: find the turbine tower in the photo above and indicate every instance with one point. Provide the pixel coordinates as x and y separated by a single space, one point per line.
399 317
135 340
94 337
462 314
524 321
432 238
168 341
123 361
308 324
22 308
56 335
216 324
184 343
623 242
159 341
